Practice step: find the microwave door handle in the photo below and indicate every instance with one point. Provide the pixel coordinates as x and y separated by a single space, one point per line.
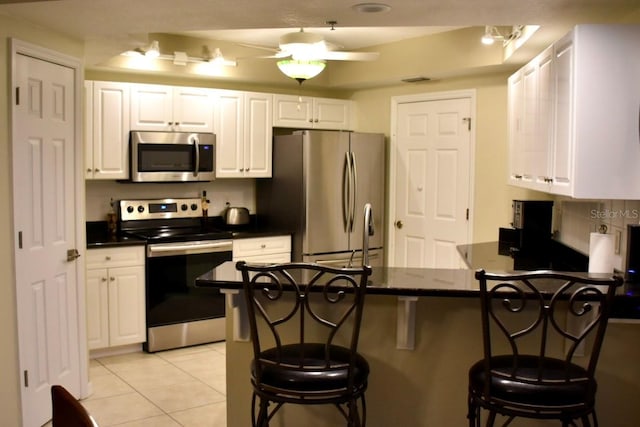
196 167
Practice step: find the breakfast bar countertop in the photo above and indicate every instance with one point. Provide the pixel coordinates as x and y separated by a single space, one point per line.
424 282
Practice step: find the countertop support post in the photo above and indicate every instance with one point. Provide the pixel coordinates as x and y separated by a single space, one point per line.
406 322
236 302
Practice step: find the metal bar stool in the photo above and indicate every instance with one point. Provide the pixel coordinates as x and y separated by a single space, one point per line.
304 322
525 319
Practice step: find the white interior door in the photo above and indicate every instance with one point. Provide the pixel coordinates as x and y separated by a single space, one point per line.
432 182
44 159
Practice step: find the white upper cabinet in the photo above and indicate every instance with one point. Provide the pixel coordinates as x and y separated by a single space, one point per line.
243 134
106 130
171 108
573 116
292 111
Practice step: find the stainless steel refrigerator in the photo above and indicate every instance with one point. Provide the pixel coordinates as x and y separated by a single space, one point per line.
320 185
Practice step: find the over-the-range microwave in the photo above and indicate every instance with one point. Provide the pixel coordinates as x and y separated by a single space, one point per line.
172 156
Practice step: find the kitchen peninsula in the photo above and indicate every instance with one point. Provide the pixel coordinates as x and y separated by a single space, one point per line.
421 380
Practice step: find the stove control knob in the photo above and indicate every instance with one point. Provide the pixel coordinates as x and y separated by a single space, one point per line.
130 209
194 207
140 208
184 207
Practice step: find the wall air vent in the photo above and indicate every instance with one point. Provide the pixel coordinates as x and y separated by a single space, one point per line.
417 79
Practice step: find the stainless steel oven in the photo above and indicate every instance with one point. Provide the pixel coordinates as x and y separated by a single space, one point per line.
179 249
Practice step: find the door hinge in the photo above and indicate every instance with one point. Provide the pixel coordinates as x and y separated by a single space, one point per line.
468 120
18 95
25 374
19 239
467 214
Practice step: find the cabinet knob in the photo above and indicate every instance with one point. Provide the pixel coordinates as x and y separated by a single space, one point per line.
177 123
170 123
89 169
113 279
315 121
241 170
107 258
263 246
104 279
96 170
247 169
310 120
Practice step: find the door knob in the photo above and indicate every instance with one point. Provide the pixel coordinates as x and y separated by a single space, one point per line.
72 255
398 224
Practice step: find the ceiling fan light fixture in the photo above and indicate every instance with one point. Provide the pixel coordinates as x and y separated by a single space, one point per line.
301 70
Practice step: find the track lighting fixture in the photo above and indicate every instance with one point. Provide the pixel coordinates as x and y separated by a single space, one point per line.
181 58
491 34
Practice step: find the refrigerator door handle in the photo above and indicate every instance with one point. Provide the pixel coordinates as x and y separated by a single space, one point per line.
346 191
354 192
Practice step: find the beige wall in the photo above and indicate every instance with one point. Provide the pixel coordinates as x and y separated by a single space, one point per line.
492 200
10 384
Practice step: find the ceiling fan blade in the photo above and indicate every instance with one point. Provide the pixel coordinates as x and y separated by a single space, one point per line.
338 55
257 46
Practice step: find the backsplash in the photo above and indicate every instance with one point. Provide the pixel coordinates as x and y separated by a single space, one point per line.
575 220
238 192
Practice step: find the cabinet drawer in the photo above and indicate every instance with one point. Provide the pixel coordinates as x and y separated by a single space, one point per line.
115 257
261 246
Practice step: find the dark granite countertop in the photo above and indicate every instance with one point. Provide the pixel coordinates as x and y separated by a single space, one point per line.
425 282
99 237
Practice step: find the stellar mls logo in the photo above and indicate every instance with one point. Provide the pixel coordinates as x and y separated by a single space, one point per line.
615 214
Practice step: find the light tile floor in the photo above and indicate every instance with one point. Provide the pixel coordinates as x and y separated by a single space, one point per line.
184 387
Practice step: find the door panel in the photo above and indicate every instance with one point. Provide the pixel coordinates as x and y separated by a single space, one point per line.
325 171
44 220
368 151
432 182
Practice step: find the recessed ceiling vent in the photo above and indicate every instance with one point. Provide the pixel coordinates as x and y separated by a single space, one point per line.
418 79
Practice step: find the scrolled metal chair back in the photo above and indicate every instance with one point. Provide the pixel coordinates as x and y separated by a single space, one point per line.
557 308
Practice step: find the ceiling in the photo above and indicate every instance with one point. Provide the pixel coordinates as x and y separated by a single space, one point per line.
112 26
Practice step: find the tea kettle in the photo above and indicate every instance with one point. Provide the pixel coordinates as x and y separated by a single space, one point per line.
236 215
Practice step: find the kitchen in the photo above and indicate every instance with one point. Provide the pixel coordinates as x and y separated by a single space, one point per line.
373 115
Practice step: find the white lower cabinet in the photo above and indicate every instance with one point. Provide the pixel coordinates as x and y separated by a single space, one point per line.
263 249
115 297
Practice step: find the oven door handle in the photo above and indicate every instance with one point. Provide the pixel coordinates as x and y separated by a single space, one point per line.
188 248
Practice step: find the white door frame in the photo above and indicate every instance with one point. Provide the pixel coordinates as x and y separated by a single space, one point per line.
421 97
19 47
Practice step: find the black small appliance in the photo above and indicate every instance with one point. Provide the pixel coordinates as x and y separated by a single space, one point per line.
531 232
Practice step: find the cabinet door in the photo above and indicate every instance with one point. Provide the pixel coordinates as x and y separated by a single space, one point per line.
193 109
331 113
292 111
257 135
88 129
110 127
516 146
126 306
562 152
151 107
229 129
97 293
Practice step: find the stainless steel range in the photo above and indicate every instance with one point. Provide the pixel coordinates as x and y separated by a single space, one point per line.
180 247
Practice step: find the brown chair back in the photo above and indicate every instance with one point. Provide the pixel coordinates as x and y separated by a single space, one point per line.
67 411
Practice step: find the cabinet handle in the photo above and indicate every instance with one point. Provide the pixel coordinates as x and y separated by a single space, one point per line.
113 279
89 170
241 170
170 123
107 258
247 169
517 176
310 120
104 279
96 170
316 121
177 123
263 246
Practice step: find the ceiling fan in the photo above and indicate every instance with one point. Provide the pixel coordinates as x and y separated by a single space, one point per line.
302 54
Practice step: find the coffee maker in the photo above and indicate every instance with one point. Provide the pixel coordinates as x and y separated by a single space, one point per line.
531 228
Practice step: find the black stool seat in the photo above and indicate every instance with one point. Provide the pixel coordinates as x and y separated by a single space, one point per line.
524 313
324 377
299 364
521 387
